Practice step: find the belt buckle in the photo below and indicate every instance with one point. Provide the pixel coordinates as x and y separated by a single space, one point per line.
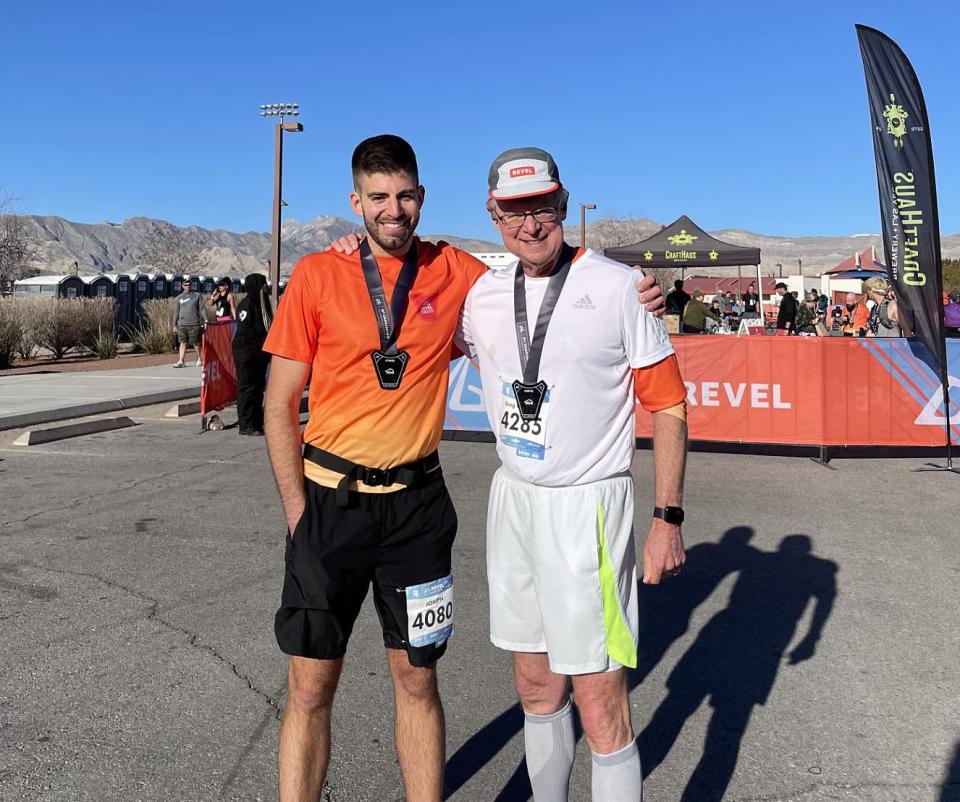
374 477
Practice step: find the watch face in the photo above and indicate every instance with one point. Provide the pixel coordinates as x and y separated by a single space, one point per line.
673 515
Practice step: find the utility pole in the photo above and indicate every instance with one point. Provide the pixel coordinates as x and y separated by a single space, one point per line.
280 110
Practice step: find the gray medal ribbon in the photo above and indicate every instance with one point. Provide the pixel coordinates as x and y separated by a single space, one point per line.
389 362
530 392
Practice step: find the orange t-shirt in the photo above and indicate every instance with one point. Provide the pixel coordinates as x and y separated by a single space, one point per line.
326 319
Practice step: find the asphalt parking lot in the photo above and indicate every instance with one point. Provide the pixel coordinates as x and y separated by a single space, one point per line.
140 570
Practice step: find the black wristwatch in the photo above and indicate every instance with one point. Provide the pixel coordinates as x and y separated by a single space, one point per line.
672 515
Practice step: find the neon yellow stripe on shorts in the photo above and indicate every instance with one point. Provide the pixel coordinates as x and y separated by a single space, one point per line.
620 644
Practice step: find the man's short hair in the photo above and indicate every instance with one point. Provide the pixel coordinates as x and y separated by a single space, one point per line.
678 284
386 153
698 293
780 286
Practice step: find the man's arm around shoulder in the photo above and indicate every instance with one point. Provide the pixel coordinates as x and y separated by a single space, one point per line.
281 423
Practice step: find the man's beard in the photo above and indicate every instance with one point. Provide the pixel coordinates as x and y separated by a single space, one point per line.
391 242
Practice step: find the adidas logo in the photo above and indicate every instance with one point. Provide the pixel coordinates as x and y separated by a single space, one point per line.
584 303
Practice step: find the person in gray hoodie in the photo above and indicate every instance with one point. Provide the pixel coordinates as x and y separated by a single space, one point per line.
188 316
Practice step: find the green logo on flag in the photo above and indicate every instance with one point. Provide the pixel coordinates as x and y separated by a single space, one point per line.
896 121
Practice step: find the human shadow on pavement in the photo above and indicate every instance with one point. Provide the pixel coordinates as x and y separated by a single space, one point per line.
950 790
736 657
767 601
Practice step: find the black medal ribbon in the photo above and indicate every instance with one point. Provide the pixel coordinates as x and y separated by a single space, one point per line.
389 362
531 391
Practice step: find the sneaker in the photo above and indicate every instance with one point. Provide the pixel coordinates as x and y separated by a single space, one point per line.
199 363
179 364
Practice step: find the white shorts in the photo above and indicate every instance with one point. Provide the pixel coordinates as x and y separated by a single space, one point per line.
562 571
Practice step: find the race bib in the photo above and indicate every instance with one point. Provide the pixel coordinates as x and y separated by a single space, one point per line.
430 612
527 437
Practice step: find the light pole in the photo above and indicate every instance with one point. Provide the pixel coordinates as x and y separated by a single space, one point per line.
279 110
583 222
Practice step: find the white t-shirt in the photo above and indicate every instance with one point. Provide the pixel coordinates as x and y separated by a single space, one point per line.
598 333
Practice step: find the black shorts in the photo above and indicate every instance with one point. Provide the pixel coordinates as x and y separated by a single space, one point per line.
396 540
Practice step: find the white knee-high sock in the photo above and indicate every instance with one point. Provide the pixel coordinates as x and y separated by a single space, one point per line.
549 745
617 777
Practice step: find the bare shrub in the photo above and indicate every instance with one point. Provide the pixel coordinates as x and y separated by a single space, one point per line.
27 311
64 325
156 337
9 332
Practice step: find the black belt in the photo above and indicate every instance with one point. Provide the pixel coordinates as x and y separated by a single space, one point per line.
412 474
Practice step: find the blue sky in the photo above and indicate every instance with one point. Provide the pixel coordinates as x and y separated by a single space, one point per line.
747 115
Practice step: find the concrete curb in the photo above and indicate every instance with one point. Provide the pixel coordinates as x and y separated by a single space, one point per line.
38 437
182 410
96 408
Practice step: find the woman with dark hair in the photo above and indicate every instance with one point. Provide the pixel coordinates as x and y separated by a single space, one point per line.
221 299
254 315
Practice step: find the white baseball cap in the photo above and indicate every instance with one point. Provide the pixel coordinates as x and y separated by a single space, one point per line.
523 173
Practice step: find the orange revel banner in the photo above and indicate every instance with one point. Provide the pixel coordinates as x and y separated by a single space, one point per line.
812 390
219 384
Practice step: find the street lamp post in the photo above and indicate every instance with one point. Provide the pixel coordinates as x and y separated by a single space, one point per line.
583 222
279 110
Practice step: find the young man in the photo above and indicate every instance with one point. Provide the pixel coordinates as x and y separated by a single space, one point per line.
563 346
751 302
188 317
787 313
365 502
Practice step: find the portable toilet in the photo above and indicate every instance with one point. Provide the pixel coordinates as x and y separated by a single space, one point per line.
207 283
142 291
159 285
99 286
236 285
123 312
195 279
175 280
71 287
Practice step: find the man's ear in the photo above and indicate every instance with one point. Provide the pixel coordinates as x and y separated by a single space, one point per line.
355 203
421 194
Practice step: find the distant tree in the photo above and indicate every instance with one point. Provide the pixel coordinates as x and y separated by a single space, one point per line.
18 250
168 249
951 274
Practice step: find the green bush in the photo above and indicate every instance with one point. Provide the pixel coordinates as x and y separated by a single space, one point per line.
106 344
156 336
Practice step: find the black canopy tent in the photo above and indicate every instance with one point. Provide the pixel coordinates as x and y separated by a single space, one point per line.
684 244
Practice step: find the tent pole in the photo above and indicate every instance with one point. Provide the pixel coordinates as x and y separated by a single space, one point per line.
763 316
681 286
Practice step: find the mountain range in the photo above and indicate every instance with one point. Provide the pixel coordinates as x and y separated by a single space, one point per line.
109 247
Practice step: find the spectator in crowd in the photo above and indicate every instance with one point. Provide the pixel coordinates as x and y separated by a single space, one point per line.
695 314
677 299
751 302
881 308
951 313
808 315
822 303
788 308
859 317
188 316
254 314
850 303
221 299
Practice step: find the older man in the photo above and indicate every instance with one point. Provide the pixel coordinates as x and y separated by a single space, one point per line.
563 346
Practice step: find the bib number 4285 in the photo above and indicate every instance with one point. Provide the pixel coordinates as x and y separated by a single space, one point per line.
513 422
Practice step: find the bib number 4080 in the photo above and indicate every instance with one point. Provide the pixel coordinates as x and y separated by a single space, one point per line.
427 619
513 422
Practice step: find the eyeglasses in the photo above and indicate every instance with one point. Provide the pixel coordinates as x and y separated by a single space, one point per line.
548 214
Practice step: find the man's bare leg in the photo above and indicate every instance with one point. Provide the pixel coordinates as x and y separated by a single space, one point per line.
305 732
419 728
